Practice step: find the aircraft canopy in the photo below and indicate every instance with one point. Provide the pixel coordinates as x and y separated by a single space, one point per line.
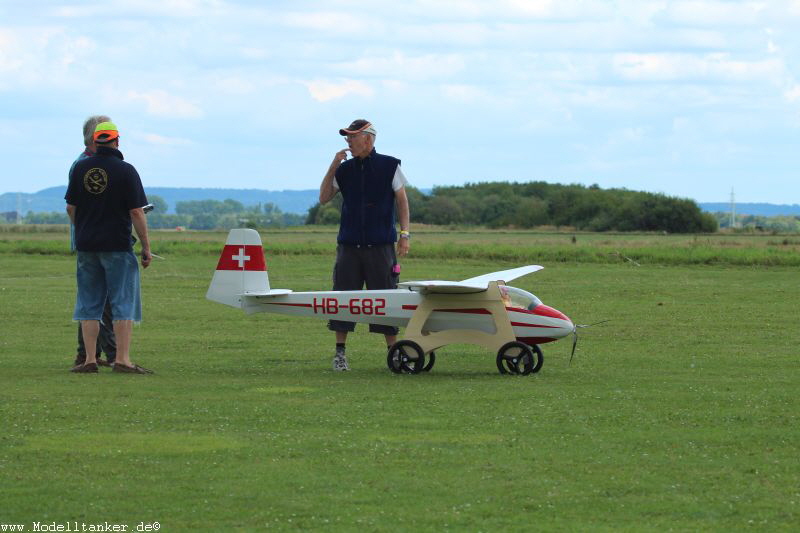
519 298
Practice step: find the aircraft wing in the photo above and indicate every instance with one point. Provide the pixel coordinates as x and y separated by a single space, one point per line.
443 287
476 284
503 275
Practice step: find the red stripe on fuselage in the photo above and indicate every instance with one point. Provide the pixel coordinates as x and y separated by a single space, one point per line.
242 257
290 305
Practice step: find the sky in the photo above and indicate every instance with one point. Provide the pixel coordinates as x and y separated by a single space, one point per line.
686 98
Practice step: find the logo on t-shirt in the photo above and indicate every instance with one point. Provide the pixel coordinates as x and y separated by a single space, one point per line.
95 180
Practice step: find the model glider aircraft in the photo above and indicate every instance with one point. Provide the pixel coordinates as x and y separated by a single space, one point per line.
482 310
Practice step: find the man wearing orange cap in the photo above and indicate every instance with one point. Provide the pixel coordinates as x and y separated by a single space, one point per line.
373 200
106 342
104 201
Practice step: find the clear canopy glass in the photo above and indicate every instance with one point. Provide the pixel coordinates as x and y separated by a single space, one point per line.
518 298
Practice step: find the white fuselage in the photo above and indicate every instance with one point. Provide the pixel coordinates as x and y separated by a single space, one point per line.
394 307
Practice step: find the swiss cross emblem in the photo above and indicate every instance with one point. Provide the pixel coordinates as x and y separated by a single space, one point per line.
242 257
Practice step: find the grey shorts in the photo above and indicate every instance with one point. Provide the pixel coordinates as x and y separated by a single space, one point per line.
357 266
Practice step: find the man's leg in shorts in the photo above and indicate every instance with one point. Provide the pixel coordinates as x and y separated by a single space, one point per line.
379 274
90 329
106 340
122 279
122 330
80 357
347 276
89 303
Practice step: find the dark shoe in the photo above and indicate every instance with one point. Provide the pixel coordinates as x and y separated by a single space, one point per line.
135 369
79 360
90 368
103 362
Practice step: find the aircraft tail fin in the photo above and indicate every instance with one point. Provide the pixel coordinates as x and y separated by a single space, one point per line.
241 269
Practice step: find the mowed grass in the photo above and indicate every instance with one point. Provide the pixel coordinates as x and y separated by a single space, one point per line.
680 413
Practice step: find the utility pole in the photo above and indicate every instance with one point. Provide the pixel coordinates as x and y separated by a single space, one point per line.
732 223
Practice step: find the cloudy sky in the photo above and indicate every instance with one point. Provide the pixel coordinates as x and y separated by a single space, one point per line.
687 98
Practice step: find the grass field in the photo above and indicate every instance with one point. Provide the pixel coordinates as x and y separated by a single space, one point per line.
681 413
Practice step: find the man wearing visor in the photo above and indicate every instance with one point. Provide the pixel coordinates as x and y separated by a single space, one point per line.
373 200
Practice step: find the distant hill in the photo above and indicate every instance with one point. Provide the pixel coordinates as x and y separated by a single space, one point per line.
52 199
763 210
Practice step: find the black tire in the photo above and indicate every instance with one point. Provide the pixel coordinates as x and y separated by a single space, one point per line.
431 362
538 358
515 358
405 357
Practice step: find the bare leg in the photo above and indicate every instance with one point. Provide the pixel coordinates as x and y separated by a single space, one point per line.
390 340
90 330
341 337
122 330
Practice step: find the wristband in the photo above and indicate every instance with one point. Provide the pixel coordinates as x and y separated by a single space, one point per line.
404 234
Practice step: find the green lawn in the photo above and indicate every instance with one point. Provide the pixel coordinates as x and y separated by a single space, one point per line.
680 413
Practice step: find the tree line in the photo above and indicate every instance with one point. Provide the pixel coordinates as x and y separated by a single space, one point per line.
528 205
754 223
198 214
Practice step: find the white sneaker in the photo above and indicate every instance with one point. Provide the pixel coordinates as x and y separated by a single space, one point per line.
340 363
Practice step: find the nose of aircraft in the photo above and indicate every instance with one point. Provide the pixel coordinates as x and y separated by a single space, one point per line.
559 322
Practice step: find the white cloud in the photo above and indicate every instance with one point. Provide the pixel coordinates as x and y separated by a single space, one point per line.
714 13
149 8
463 93
325 91
160 140
792 94
235 85
160 103
39 55
682 67
347 22
469 34
10 52
539 8
401 66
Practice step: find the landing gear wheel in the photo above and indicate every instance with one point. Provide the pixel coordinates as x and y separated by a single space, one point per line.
431 361
405 357
538 358
515 358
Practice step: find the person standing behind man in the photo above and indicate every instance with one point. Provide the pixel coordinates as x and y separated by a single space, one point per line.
373 195
106 341
104 199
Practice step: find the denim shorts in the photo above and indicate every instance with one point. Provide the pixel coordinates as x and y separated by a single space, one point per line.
112 275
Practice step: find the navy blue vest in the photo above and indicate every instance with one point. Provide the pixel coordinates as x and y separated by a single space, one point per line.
368 205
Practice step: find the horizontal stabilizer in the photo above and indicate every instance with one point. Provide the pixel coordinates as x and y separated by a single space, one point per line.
271 292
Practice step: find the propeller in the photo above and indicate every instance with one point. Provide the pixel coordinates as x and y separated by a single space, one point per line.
575 335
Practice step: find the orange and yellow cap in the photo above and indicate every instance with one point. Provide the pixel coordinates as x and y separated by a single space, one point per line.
105 132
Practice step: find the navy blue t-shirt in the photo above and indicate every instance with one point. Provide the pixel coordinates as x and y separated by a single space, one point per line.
104 188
